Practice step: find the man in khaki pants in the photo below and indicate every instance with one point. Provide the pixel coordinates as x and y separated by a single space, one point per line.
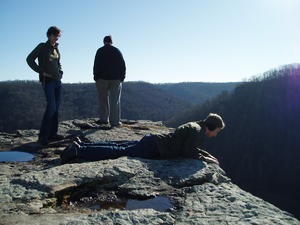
109 73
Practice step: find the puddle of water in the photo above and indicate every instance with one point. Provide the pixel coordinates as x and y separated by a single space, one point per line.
92 197
159 203
15 156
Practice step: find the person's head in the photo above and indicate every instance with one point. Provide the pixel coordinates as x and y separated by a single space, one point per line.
53 33
213 125
107 40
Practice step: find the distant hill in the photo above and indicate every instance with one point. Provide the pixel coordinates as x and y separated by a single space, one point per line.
141 100
23 102
197 92
260 146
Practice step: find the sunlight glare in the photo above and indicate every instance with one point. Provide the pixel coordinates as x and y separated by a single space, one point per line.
284 5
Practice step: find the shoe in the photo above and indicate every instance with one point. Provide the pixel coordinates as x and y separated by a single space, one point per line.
56 137
43 141
69 153
77 139
119 124
100 122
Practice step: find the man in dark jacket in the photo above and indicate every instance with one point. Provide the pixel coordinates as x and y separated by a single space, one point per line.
50 74
109 73
185 142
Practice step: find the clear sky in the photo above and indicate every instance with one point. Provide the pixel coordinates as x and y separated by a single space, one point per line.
161 40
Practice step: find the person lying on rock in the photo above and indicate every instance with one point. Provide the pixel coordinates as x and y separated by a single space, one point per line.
185 142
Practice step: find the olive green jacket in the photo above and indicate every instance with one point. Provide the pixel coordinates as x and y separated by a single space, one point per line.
48 61
185 142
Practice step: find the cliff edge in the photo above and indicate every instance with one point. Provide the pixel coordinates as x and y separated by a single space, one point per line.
120 191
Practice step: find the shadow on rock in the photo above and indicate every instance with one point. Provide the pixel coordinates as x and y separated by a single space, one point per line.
32 185
178 172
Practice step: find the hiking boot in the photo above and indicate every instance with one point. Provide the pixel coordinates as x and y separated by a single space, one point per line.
100 122
119 124
69 153
78 140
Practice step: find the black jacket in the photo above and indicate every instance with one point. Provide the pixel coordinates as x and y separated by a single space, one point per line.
109 64
48 61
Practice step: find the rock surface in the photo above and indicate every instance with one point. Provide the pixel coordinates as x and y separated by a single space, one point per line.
121 191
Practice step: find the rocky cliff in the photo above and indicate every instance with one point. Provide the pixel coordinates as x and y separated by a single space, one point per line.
121 191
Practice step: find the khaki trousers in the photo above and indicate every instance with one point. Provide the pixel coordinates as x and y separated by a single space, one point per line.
109 92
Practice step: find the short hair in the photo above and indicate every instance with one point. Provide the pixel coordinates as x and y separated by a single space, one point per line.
53 30
107 39
214 121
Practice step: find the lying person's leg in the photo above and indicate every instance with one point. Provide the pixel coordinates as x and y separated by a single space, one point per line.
109 143
93 153
145 148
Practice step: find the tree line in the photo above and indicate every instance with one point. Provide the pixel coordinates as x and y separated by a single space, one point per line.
23 102
260 145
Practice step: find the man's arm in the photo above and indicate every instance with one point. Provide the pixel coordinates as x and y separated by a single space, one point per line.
210 160
32 57
97 61
191 144
123 68
205 156
189 137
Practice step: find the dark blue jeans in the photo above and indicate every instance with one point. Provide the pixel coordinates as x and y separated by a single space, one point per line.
109 143
145 148
49 124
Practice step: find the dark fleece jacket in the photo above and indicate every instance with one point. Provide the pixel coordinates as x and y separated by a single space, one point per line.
186 142
48 61
109 64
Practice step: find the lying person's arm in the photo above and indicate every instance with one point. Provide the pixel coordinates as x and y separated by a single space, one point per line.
205 156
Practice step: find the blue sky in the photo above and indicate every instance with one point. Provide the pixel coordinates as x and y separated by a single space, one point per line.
161 40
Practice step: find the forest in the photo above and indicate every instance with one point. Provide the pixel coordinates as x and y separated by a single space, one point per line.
23 102
260 145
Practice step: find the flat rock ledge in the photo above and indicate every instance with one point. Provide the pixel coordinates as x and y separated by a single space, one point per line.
184 191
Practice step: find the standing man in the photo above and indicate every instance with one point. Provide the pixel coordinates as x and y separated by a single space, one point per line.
109 73
50 74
